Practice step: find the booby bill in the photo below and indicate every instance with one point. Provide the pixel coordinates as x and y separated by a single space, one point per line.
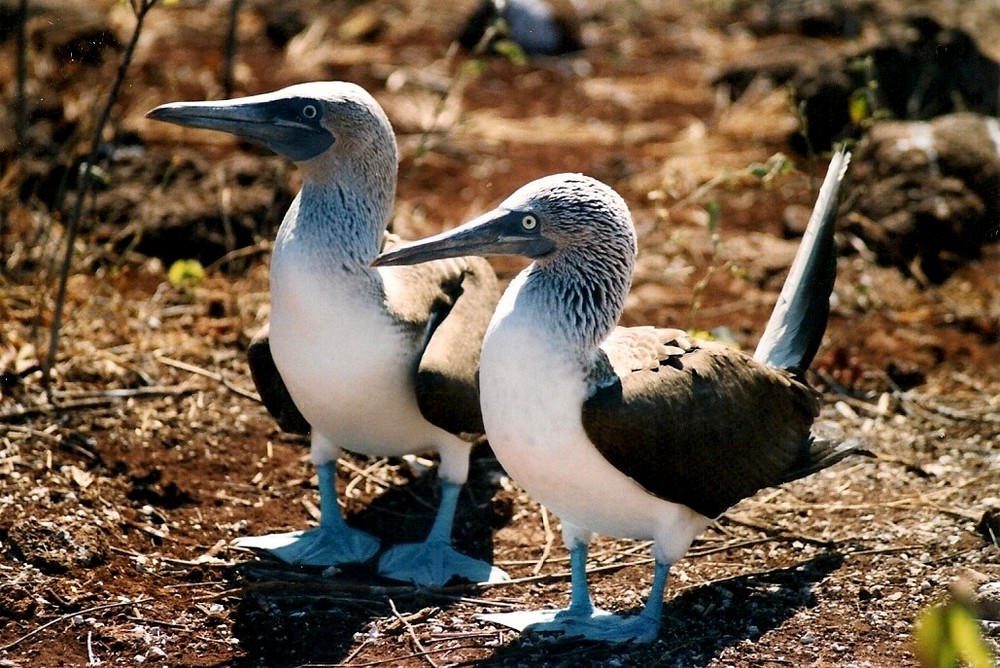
633 432
377 361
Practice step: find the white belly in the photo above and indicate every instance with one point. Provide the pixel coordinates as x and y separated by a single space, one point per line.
532 398
347 367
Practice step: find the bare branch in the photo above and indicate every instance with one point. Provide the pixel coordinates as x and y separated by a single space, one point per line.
142 8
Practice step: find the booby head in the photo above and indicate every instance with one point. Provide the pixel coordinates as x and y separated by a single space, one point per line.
579 233
316 124
549 220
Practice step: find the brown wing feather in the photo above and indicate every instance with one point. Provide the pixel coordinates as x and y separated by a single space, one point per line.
451 301
702 425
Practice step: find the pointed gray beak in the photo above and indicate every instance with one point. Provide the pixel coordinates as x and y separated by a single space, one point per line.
276 123
499 232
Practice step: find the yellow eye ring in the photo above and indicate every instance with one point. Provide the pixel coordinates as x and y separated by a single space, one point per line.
529 222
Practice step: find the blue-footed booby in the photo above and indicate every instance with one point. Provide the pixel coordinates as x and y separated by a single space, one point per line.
633 432
376 361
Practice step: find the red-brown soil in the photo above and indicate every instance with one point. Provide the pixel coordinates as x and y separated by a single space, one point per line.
118 503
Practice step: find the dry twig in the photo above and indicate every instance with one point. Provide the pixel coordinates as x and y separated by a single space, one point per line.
413 634
141 8
549 538
217 377
70 615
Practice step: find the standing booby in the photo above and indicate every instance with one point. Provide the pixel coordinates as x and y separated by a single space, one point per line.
377 361
633 432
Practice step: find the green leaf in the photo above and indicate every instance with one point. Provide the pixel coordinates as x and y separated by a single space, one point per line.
859 107
934 650
714 210
948 636
185 273
474 66
967 636
776 165
511 50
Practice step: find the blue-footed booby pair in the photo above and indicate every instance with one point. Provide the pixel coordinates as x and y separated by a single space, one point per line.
633 432
377 361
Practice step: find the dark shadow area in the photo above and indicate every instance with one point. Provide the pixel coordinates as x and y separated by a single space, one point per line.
919 69
697 625
292 615
169 204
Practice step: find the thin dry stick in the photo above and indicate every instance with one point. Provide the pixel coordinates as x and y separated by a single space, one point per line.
20 105
704 552
158 622
357 650
395 660
549 538
91 659
42 409
260 247
170 560
731 578
230 59
779 532
92 399
217 377
127 392
84 186
364 474
70 615
413 634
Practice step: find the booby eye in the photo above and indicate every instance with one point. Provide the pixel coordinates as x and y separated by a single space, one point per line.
529 222
309 111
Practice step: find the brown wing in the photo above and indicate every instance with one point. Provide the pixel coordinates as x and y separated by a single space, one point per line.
271 387
698 423
451 301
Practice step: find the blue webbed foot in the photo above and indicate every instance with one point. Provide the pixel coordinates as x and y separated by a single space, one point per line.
434 563
332 543
592 624
582 620
322 546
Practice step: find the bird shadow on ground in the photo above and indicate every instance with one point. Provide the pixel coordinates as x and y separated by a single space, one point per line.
698 625
291 615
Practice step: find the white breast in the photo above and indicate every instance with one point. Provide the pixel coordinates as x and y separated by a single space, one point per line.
348 368
532 391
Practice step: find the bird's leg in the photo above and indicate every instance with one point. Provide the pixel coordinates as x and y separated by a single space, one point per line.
445 518
434 561
332 543
579 601
582 619
653 611
581 610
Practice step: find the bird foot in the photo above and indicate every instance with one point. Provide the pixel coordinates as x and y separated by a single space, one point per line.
433 564
321 546
590 624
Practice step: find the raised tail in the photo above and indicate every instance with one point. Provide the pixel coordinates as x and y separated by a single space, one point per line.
796 327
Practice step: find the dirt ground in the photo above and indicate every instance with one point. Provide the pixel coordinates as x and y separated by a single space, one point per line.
118 501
